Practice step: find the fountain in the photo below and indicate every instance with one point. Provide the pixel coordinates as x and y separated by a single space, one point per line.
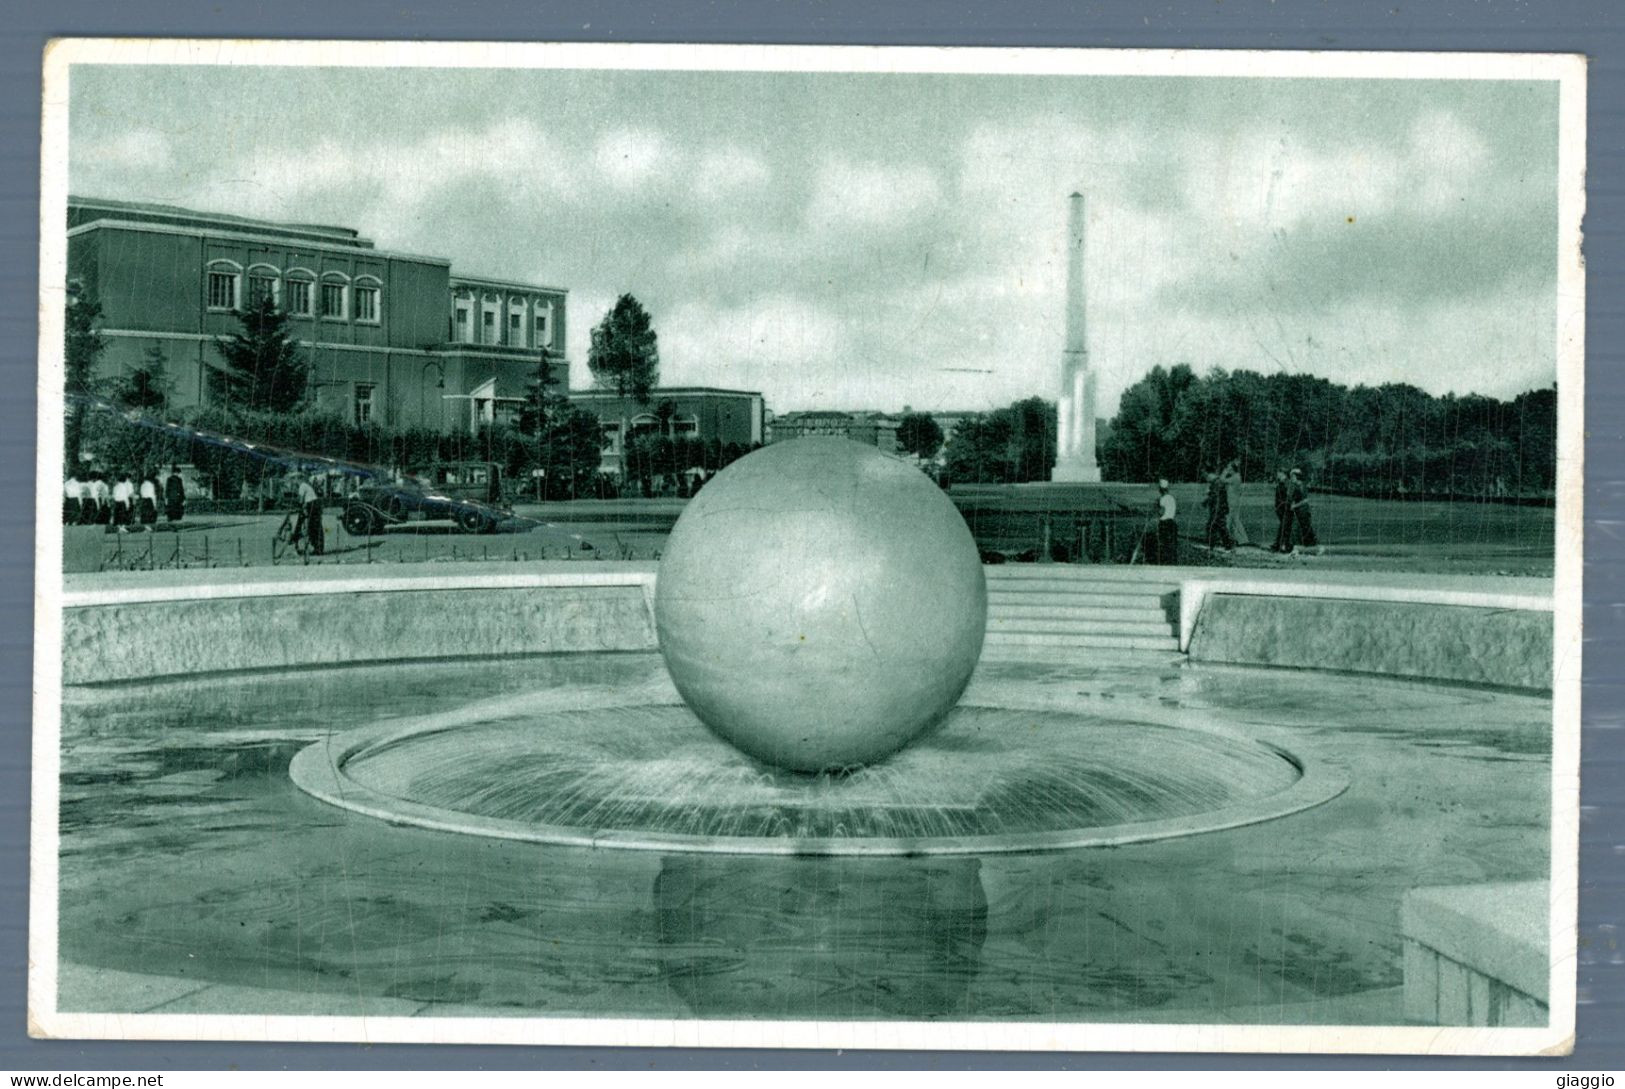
820 610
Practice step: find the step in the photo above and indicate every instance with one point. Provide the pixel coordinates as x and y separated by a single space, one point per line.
1026 626
1090 596
1060 610
1105 572
1052 639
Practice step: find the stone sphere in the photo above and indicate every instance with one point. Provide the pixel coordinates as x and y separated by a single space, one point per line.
820 604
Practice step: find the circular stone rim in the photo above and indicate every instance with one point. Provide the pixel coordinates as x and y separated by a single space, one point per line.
317 769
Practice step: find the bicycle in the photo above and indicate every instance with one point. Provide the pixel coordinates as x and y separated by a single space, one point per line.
291 534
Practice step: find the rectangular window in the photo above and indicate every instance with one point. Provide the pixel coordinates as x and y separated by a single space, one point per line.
363 402
541 329
222 291
261 288
299 297
462 324
490 317
332 300
366 304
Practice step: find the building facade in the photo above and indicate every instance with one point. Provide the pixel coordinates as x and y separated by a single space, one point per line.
391 337
875 429
728 416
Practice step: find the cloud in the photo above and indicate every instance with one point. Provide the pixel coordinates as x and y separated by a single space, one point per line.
850 196
729 173
633 158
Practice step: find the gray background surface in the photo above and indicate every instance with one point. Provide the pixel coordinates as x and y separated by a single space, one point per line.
1596 28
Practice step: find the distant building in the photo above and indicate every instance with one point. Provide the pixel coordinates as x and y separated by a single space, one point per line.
870 428
728 416
392 337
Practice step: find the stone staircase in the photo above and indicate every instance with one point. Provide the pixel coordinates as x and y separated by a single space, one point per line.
1069 605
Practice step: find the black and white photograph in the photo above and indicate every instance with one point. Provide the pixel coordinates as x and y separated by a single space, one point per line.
808 546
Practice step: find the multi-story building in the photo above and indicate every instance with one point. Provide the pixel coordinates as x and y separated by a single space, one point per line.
391 337
729 416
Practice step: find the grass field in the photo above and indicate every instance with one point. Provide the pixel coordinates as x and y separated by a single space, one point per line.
1358 534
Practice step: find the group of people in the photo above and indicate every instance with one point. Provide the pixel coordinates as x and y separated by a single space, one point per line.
1225 530
1295 525
127 501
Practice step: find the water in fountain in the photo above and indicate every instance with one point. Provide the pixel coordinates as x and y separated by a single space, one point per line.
985 772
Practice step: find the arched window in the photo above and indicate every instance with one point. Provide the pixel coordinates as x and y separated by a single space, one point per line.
367 294
299 292
335 296
224 284
490 311
542 322
516 322
264 282
462 317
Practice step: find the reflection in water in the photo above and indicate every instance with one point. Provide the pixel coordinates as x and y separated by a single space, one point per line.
784 937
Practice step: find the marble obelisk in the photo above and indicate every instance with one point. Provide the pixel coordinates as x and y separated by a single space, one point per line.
1075 400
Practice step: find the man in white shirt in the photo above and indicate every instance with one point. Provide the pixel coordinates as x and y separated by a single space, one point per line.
1167 525
311 504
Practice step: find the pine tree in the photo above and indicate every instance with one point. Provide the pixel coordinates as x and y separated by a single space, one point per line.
264 368
146 387
625 353
624 356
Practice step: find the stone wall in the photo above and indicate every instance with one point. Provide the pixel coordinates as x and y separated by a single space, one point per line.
1511 647
114 641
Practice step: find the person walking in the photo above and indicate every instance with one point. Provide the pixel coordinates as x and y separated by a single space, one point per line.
123 503
174 495
310 503
72 500
1218 515
1231 479
147 508
1283 514
1298 496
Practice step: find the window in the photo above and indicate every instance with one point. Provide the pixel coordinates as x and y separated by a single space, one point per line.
516 329
366 304
363 401
332 300
222 291
464 336
490 317
541 328
299 297
260 288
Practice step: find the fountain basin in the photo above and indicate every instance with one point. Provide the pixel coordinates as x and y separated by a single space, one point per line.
651 777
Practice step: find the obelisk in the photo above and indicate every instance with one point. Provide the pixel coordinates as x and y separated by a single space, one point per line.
1075 400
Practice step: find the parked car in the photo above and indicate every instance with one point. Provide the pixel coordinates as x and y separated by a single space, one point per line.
466 492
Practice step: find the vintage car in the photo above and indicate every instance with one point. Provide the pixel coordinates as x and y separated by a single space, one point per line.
468 493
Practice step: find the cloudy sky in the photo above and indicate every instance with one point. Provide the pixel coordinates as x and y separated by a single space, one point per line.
871 241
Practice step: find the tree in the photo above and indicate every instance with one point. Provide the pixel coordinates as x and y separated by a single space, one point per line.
541 400
83 349
145 387
625 354
264 368
919 434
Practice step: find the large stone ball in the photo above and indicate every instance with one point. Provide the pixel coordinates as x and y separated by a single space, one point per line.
820 604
